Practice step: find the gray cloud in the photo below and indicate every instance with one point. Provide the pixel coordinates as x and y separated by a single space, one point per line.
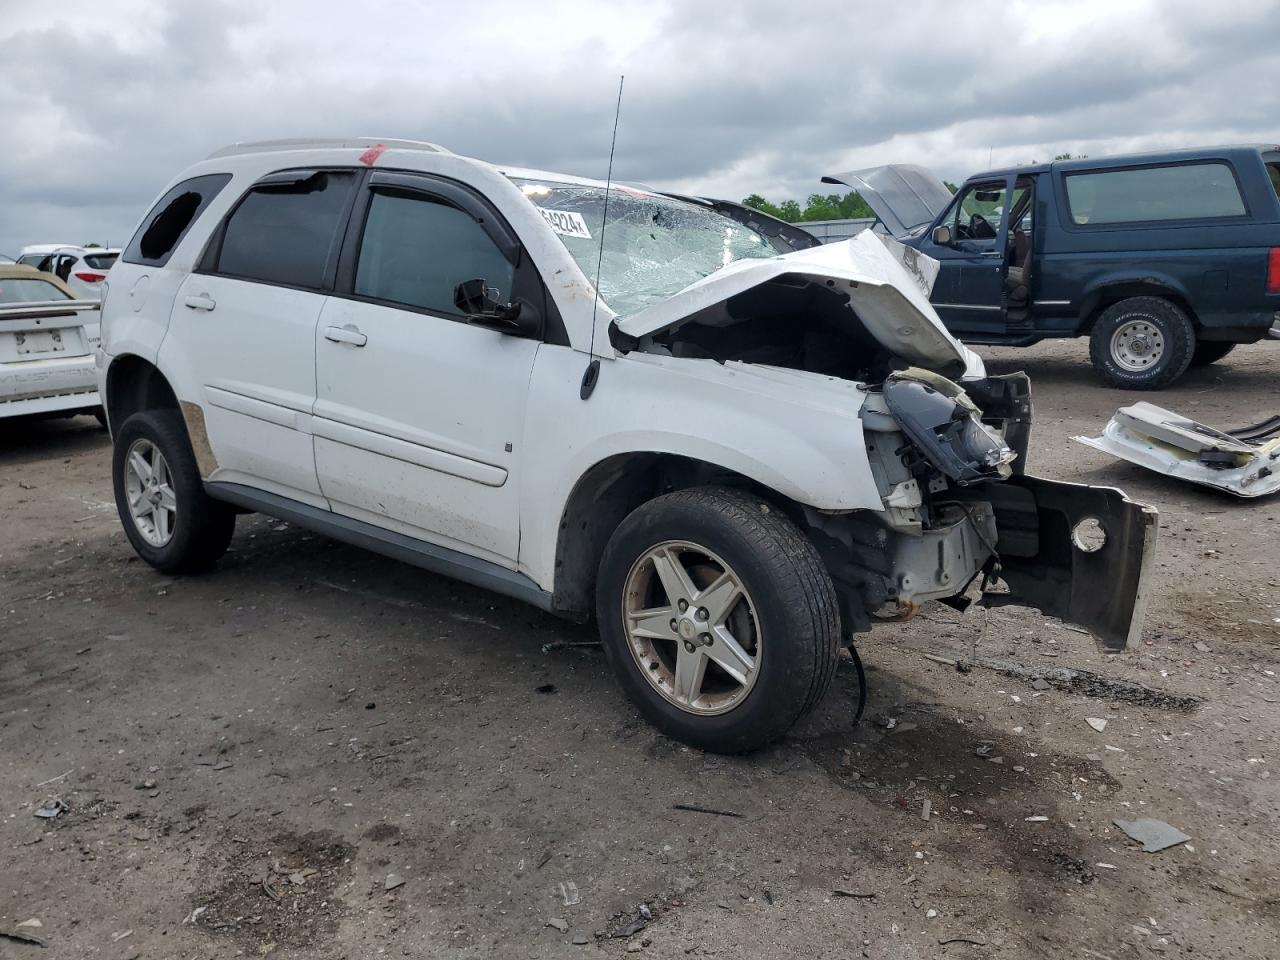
103 107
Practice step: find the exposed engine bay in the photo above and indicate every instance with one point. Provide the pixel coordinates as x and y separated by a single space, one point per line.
948 453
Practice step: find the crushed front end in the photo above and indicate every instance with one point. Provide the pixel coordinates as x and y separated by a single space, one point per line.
949 464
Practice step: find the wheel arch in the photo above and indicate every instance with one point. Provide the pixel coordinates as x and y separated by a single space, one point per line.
135 384
606 493
1113 289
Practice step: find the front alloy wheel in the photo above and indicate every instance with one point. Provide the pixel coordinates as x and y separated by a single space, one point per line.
149 492
691 627
718 617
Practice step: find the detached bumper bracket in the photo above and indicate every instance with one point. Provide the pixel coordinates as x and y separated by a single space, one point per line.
1080 553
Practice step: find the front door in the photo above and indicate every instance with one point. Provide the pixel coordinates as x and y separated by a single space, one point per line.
969 295
419 414
245 322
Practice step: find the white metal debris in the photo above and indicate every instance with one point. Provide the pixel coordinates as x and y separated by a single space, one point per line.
1245 462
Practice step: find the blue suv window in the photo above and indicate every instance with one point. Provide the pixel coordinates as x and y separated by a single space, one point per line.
1188 191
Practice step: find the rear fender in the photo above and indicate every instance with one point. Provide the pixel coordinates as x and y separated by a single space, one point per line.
1080 553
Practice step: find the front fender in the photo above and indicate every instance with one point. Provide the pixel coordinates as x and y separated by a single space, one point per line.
795 433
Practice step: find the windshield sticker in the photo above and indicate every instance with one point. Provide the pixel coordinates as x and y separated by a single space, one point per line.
567 223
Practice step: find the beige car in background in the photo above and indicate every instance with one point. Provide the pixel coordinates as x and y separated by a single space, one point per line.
47 343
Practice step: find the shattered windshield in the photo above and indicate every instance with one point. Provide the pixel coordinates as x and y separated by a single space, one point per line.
654 246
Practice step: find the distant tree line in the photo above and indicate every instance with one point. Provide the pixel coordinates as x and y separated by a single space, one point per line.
831 206
816 207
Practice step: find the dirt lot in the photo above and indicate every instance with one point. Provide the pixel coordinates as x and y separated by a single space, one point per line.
250 759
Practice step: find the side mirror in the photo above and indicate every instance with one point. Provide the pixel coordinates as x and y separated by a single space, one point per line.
942 235
479 303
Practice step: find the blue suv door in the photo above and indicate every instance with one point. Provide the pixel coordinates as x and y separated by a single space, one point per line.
969 294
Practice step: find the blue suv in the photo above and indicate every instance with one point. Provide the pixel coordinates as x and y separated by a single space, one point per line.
1164 261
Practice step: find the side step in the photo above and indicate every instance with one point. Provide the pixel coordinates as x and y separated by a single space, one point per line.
428 556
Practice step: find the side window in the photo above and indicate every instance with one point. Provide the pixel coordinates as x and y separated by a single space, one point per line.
976 217
285 231
169 219
1189 191
1273 171
416 249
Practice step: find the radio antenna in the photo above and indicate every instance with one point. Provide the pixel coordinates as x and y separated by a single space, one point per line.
592 373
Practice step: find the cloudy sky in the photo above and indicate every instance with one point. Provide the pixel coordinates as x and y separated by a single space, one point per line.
102 102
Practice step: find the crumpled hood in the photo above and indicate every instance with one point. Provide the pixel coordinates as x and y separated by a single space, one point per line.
888 287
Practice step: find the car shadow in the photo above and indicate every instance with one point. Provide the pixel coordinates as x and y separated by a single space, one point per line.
26 440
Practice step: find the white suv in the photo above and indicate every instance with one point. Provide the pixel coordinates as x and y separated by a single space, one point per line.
733 457
83 269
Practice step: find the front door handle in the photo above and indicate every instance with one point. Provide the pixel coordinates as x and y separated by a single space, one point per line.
201 302
347 333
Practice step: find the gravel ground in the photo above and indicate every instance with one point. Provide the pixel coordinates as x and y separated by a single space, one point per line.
316 752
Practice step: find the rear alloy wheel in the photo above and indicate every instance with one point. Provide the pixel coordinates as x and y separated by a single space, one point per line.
169 519
148 489
1210 351
718 617
1143 343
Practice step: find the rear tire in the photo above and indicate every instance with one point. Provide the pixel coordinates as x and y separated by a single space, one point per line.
784 623
1210 351
169 519
1143 343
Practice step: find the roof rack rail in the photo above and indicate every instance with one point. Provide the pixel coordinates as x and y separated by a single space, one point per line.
329 143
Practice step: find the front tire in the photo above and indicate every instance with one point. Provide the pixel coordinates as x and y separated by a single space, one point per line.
1143 343
1210 351
169 519
718 618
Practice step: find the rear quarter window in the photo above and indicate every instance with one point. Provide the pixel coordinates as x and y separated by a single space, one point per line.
1189 191
171 218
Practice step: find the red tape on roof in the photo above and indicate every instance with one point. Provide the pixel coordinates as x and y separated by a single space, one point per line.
370 156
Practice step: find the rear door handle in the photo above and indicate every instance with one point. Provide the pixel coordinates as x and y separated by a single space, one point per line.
347 333
201 302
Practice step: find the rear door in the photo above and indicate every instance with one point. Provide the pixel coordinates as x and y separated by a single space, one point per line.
245 323
419 414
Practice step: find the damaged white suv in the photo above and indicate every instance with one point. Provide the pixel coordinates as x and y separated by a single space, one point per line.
736 456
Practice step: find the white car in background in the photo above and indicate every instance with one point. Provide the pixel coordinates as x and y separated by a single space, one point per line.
83 269
47 344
